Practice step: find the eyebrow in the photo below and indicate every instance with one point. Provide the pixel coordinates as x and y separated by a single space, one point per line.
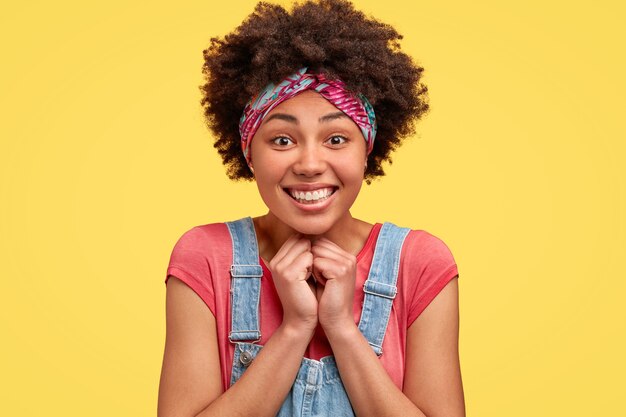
282 116
332 116
292 119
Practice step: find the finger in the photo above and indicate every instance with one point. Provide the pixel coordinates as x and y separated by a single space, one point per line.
324 252
325 243
286 247
326 269
301 246
317 275
302 265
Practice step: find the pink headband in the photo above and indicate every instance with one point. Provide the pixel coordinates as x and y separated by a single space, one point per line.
356 106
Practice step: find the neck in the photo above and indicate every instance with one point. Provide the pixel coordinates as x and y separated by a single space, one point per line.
348 233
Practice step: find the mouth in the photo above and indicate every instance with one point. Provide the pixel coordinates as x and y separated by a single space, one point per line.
310 197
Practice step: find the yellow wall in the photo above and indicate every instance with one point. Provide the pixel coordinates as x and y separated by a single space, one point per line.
105 162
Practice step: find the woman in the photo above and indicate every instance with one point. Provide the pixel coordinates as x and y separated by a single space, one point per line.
306 310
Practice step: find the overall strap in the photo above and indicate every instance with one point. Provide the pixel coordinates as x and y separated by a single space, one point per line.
380 287
245 282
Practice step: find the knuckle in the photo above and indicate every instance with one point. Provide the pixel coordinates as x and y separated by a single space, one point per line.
278 269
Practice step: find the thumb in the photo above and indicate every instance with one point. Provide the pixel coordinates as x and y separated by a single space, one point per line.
318 276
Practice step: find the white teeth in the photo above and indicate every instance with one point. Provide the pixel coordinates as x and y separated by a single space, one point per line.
311 195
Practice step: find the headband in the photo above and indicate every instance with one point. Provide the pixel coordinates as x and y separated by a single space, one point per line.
357 107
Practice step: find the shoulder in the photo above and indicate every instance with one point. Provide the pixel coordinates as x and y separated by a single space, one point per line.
203 236
197 254
424 253
427 261
427 265
422 249
422 246
200 247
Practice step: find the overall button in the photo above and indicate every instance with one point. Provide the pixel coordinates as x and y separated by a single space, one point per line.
245 358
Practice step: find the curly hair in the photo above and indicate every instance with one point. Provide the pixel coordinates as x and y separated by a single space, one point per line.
328 36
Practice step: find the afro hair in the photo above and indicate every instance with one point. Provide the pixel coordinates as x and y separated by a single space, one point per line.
328 36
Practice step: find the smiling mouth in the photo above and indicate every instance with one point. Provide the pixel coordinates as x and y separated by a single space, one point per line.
311 197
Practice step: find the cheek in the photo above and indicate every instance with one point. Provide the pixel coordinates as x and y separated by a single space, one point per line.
268 178
352 172
266 181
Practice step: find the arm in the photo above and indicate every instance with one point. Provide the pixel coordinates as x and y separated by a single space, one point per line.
432 385
190 379
432 379
433 370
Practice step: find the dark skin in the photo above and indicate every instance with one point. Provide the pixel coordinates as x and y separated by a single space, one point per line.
270 243
191 377
246 60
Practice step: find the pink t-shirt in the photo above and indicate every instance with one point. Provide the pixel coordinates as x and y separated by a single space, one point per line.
202 257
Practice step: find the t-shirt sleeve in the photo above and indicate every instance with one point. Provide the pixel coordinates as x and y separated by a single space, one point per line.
431 266
189 263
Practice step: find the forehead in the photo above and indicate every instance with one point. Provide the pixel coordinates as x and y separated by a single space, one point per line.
308 101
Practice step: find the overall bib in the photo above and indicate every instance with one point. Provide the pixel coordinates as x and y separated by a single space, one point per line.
317 389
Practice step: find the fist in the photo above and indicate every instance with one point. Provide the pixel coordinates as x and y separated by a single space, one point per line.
290 268
335 272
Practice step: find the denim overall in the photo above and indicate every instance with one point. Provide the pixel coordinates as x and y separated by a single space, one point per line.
317 389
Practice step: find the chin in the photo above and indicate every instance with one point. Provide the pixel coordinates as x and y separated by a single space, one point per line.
310 226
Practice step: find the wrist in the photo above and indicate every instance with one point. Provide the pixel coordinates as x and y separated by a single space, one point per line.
344 329
297 332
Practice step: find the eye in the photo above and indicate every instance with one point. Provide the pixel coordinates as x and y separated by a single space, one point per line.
281 141
337 140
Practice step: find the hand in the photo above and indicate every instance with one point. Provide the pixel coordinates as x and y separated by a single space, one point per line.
290 268
335 273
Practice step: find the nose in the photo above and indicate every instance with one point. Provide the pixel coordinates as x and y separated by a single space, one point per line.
310 161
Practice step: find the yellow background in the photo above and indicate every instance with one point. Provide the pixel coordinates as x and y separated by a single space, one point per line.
519 168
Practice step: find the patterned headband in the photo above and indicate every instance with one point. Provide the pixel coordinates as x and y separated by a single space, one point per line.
357 107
